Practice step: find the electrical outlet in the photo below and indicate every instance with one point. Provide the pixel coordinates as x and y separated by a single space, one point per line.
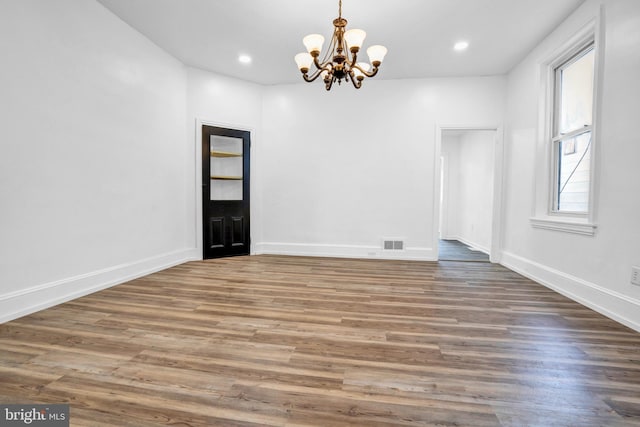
635 275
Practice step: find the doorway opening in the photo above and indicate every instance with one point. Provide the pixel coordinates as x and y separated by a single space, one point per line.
467 194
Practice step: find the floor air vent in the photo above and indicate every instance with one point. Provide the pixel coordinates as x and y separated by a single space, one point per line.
393 245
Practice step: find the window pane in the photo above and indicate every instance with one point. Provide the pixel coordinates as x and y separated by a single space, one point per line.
574 170
576 93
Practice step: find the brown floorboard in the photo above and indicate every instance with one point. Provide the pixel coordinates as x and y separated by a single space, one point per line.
295 341
454 250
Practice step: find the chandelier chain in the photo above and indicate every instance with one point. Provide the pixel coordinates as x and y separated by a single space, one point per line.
340 9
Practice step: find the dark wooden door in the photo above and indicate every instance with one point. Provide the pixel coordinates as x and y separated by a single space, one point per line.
225 192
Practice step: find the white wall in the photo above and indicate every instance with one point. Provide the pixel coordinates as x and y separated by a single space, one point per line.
344 169
469 164
450 153
92 123
223 101
593 269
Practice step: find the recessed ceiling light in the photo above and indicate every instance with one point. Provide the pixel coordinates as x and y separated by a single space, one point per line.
461 45
244 59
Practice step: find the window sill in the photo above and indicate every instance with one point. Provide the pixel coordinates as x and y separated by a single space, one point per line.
565 225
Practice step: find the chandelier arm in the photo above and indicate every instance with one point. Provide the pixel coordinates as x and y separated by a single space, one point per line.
356 83
329 83
314 76
324 65
371 73
354 60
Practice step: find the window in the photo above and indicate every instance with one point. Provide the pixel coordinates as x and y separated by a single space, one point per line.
567 145
572 135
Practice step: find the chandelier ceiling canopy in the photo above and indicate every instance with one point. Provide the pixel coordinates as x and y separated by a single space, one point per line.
341 59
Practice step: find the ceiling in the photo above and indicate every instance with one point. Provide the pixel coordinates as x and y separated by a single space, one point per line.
211 34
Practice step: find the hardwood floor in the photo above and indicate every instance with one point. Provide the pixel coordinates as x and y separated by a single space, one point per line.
293 341
454 250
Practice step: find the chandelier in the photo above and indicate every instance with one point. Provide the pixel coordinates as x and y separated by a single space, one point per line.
341 59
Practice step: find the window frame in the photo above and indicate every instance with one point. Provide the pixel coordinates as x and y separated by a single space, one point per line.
544 214
565 61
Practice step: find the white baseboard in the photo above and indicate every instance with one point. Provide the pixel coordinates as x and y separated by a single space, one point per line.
344 251
619 307
21 303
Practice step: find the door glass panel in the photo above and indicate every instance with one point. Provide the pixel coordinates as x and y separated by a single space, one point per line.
226 168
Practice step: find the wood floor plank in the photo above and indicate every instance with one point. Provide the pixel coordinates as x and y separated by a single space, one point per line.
298 341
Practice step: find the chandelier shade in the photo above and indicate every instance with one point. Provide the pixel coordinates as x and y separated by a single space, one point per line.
313 42
340 62
304 61
354 38
376 54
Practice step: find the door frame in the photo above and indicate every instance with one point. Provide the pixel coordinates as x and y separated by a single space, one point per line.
495 253
197 182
